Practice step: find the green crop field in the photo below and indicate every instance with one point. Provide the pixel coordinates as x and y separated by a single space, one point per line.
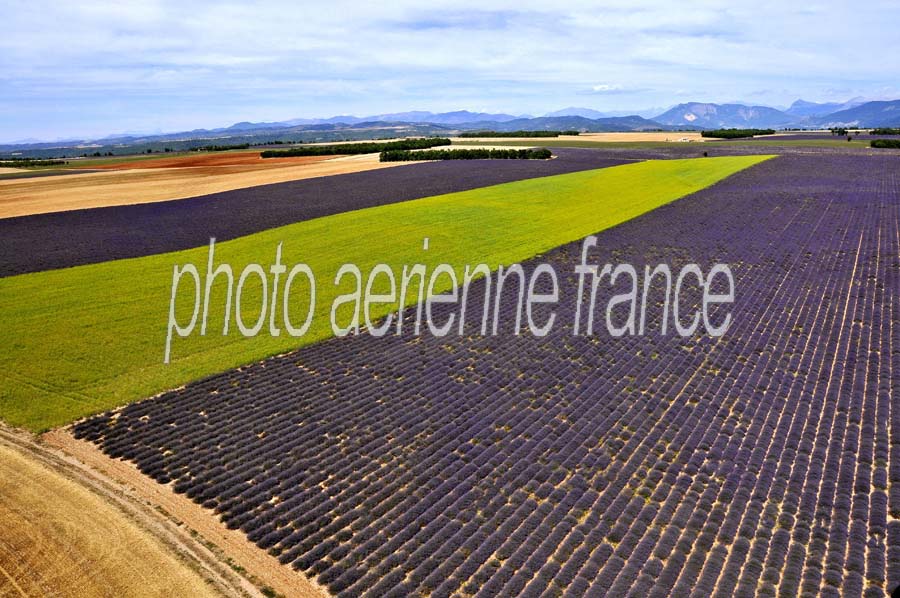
85 339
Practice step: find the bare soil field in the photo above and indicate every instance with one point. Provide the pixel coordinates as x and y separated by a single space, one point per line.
674 136
248 158
60 538
233 544
147 184
11 170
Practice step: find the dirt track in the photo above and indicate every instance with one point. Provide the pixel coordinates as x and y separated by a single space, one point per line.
77 523
233 544
68 532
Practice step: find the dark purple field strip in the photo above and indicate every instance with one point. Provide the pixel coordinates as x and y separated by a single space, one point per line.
767 462
810 137
737 148
687 150
34 174
64 239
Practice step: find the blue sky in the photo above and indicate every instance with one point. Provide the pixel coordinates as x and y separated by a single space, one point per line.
86 68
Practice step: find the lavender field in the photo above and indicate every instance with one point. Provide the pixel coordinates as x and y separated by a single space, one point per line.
766 462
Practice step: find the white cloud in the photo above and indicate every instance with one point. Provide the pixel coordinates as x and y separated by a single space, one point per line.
62 65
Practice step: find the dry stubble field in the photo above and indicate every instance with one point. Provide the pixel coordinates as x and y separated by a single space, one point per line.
147 181
47 517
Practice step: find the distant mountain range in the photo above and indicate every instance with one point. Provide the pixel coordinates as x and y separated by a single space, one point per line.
870 114
801 114
803 108
648 113
717 116
691 115
570 123
458 117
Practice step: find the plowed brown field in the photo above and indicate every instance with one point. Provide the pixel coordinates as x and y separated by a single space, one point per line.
213 159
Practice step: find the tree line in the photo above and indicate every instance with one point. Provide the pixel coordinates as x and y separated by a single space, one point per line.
238 146
220 148
735 133
466 154
356 148
29 163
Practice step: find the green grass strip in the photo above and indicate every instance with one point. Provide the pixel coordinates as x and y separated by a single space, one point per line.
85 339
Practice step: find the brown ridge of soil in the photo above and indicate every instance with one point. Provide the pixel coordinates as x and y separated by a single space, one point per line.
231 545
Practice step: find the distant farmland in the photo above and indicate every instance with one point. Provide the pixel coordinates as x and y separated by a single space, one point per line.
105 311
38 242
765 462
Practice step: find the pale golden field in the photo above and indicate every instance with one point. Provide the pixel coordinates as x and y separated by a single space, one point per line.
57 538
232 544
673 136
148 183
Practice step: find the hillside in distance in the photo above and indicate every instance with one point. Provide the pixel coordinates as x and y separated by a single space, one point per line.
802 108
576 111
870 114
691 115
714 116
455 117
573 123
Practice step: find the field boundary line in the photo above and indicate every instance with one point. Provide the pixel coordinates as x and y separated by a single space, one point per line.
224 545
12 581
147 517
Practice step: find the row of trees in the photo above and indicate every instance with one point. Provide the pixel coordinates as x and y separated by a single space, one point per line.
886 131
517 133
735 133
239 146
220 148
356 148
466 154
29 163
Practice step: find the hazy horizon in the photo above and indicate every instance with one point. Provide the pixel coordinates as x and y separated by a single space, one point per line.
94 70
